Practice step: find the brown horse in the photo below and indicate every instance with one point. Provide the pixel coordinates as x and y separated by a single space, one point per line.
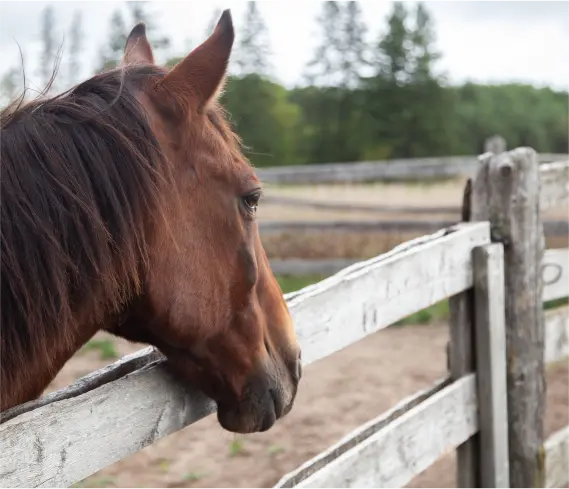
128 206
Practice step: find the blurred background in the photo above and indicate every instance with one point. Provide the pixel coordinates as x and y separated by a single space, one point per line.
313 83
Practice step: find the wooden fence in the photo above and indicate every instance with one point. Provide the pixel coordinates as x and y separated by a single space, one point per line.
385 170
496 275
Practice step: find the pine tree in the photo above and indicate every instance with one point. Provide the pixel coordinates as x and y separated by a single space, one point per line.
325 67
111 54
423 55
75 48
353 48
49 50
139 14
253 50
394 51
212 22
9 87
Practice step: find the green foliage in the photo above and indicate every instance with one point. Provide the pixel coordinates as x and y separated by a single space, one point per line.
264 118
292 283
236 446
194 476
105 347
252 52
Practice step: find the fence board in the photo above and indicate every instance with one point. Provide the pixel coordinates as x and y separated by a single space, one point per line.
63 442
556 334
556 456
372 295
300 266
555 272
551 228
363 171
405 447
461 361
554 179
491 364
360 434
350 207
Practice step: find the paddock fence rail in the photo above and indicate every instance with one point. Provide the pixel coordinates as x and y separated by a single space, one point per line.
481 265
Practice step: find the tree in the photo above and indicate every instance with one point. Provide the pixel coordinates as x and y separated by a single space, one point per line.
253 50
212 22
422 54
75 48
139 14
49 52
353 48
325 67
392 60
265 119
9 85
112 53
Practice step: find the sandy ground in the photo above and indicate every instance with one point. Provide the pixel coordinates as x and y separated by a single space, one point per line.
336 395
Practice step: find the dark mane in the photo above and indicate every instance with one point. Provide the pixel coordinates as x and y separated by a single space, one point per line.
80 185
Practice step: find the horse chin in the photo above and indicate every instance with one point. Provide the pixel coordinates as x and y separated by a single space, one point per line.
257 410
247 417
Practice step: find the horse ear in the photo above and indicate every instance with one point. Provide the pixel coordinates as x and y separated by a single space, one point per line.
137 49
199 77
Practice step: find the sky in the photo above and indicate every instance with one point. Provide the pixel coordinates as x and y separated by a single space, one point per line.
486 42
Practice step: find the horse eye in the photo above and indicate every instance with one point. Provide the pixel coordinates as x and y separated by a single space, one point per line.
252 201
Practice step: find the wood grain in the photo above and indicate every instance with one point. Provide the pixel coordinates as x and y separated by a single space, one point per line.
506 193
556 449
491 365
396 453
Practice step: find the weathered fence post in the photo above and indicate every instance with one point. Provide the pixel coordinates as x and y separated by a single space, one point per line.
461 362
495 144
505 192
488 266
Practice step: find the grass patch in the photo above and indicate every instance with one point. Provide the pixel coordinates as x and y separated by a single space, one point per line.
106 348
292 283
436 312
236 447
274 450
556 303
193 476
96 482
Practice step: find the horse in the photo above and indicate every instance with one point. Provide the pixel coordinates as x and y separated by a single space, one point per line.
129 207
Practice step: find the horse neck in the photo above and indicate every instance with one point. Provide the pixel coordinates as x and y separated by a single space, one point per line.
24 377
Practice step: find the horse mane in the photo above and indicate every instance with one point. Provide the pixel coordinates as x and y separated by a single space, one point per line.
81 182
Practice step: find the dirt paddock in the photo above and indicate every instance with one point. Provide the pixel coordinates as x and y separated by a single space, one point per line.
336 395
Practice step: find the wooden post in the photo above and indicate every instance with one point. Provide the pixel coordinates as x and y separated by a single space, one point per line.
461 362
495 144
506 193
488 264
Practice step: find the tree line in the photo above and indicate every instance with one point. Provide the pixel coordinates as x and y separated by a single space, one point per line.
359 100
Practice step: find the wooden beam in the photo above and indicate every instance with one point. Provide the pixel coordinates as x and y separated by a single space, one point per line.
360 434
556 449
555 273
405 447
385 170
506 193
461 362
556 335
552 228
554 181
374 294
491 365
350 207
65 441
